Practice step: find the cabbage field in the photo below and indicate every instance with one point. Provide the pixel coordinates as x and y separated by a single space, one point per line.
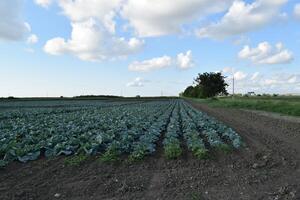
110 129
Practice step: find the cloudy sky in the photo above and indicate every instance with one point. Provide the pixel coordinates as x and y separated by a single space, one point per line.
146 47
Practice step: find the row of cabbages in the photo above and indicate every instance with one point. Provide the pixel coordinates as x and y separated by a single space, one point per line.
132 128
88 130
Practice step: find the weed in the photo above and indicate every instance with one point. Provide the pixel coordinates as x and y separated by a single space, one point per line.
75 160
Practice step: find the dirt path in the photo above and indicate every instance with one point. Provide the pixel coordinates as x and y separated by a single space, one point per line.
266 169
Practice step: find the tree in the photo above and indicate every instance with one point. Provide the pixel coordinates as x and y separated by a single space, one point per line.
188 91
193 91
211 84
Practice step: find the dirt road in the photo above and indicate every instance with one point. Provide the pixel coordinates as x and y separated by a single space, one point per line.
267 168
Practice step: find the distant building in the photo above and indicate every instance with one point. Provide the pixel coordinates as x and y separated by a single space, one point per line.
250 93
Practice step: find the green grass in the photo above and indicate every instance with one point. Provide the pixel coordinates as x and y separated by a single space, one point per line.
286 106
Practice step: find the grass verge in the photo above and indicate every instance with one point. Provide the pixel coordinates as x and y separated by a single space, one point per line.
282 106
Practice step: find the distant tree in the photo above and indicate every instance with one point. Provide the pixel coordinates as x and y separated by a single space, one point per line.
188 92
211 84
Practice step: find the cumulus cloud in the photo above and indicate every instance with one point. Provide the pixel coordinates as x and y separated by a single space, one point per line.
185 61
156 18
12 26
239 75
43 3
93 36
297 11
152 64
137 82
264 53
101 10
269 83
242 18
32 39
227 70
182 61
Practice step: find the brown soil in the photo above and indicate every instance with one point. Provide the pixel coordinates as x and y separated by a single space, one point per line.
267 168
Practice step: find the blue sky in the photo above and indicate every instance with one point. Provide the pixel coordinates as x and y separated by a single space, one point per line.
130 47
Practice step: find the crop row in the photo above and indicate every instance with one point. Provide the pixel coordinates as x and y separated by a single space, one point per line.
110 129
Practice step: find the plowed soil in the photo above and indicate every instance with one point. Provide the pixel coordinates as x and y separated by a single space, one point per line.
266 168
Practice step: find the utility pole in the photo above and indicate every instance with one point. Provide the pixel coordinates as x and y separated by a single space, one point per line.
233 85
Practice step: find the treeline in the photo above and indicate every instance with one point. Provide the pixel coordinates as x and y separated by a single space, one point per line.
207 85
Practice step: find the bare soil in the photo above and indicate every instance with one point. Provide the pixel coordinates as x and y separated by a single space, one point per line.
266 168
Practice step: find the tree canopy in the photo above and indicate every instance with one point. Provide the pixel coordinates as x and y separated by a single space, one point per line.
207 85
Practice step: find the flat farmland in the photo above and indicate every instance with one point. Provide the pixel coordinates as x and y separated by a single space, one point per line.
144 149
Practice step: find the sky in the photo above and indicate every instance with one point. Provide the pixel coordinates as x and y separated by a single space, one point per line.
147 47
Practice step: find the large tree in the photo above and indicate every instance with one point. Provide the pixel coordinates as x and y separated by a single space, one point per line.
211 84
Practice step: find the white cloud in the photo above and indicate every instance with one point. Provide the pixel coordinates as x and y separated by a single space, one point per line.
269 83
12 26
137 82
241 40
242 18
185 61
90 41
255 76
156 17
44 3
227 70
101 10
239 75
297 11
93 36
32 39
264 53
182 61
152 64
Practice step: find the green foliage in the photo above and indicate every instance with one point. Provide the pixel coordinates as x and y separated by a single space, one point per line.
173 151
201 153
111 155
3 163
138 154
107 128
211 84
75 160
208 85
225 148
